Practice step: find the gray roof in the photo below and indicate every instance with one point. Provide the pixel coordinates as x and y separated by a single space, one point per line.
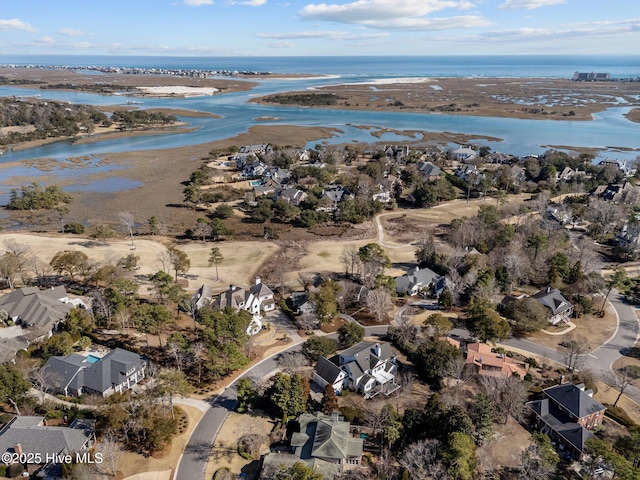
574 399
41 309
327 370
112 369
423 276
328 438
74 372
429 169
36 438
553 299
561 423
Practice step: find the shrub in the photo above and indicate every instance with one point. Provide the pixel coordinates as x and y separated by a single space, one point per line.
73 227
15 470
619 415
223 473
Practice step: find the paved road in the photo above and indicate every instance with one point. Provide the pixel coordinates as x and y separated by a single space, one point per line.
193 462
600 360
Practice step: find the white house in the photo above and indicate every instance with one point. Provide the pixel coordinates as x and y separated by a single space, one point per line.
368 368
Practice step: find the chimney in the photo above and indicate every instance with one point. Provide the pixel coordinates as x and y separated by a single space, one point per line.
232 287
17 448
377 350
335 418
561 379
258 281
548 288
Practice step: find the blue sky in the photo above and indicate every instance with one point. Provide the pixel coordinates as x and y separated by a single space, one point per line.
338 27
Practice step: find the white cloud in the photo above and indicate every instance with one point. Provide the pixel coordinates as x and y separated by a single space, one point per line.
71 32
250 3
197 3
606 29
530 4
45 41
395 15
16 24
83 45
377 10
280 45
328 34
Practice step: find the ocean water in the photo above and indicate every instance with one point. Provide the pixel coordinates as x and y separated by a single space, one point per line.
548 66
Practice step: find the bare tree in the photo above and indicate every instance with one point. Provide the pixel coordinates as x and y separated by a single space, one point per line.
508 396
574 347
622 379
127 222
292 362
306 280
176 352
197 351
350 258
165 260
421 460
379 302
111 453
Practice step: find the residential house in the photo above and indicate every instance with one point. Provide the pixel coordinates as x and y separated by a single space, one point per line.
291 195
428 171
242 159
629 236
36 314
469 173
463 154
281 175
328 373
256 149
627 193
382 194
75 374
499 158
370 369
263 190
31 436
201 298
254 169
301 304
487 363
560 309
323 443
567 413
397 152
565 175
256 300
627 169
418 280
331 198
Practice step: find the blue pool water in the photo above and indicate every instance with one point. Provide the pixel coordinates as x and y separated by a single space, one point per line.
92 359
255 183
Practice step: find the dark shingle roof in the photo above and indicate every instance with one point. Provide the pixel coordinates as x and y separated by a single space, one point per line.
327 370
38 439
554 300
574 399
111 370
40 308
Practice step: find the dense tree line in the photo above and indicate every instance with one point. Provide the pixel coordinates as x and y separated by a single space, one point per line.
35 197
48 119
305 99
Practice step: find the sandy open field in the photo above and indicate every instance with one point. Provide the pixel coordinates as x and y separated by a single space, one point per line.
241 259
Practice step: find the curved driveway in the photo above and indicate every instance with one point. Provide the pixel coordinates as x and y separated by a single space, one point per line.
193 463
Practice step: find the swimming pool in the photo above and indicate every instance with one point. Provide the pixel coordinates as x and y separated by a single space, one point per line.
255 183
92 359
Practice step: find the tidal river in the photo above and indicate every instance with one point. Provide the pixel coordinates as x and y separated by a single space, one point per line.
609 131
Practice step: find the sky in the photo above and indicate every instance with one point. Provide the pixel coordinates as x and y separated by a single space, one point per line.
310 28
